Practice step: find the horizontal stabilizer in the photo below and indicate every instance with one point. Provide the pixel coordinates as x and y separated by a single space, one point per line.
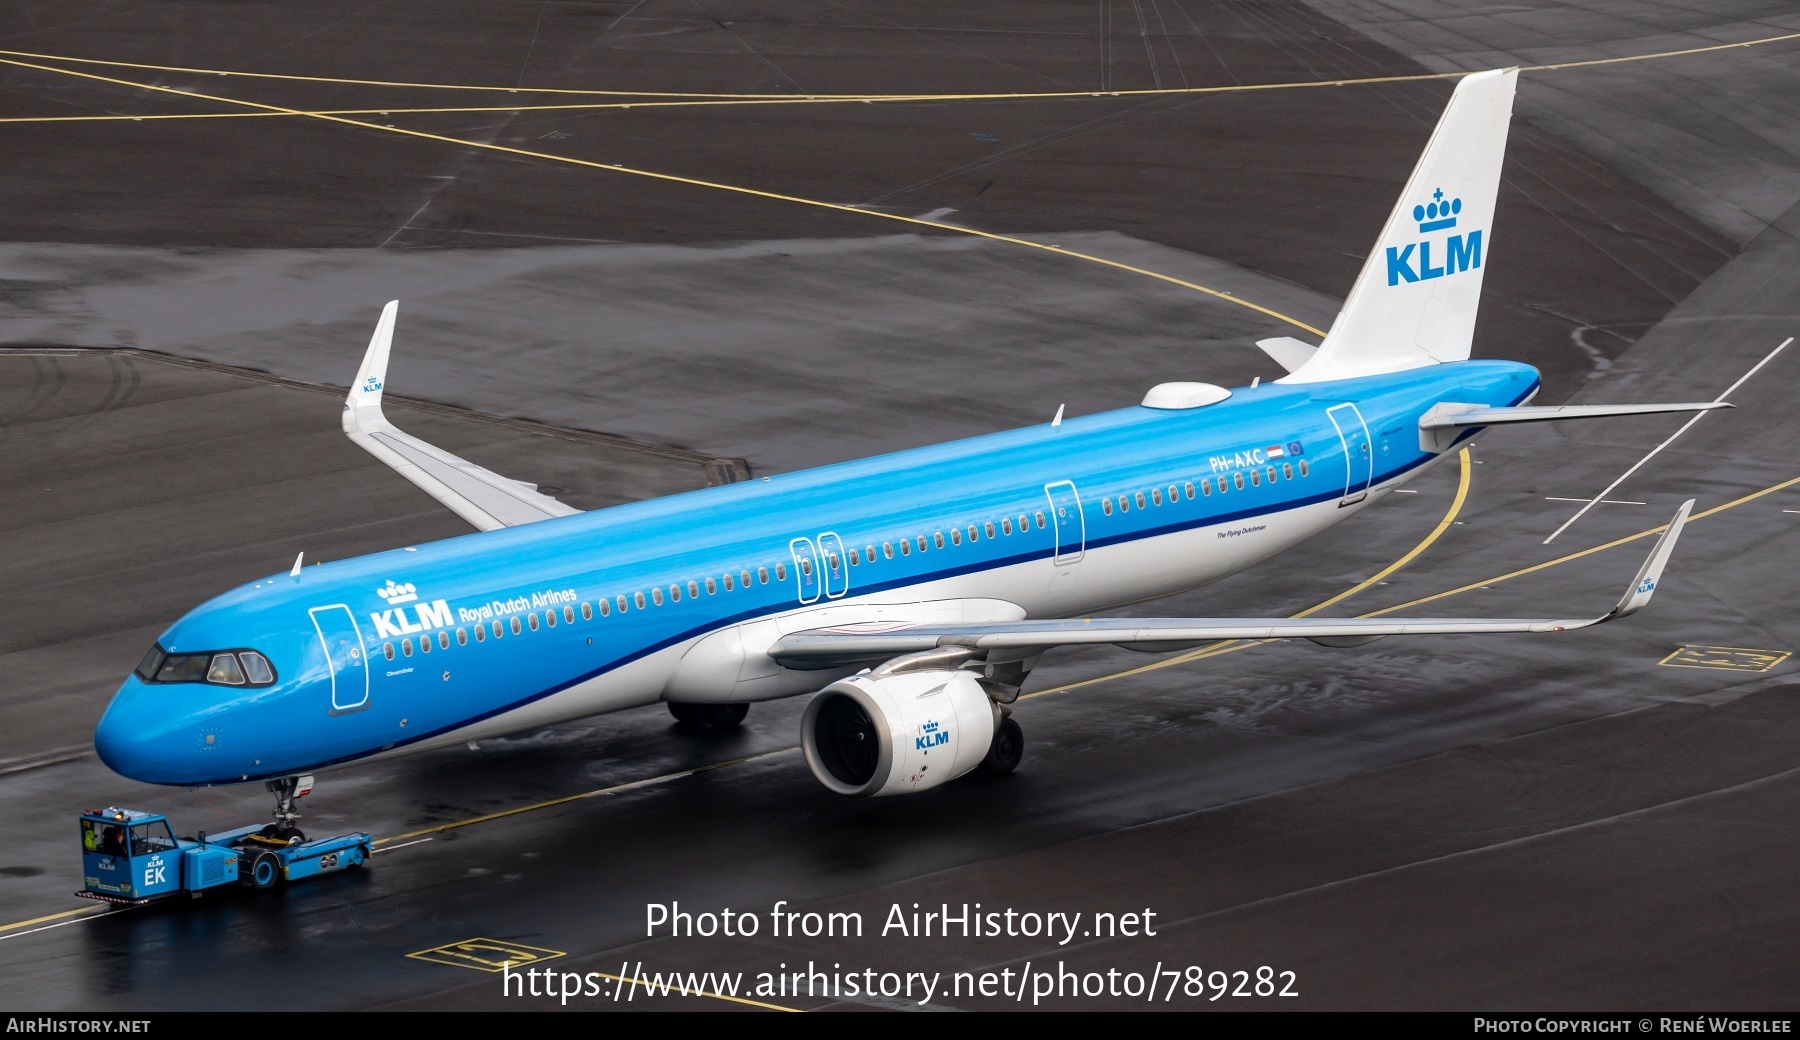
853 644
482 497
1446 416
1288 352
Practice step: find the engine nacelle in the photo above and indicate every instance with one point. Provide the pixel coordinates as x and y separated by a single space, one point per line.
873 735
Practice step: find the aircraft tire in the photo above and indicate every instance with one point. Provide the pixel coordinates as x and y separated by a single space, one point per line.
724 716
1005 752
687 714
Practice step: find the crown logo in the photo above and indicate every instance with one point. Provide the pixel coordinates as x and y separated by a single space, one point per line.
1437 214
398 593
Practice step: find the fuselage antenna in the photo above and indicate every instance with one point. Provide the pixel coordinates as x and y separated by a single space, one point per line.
298 560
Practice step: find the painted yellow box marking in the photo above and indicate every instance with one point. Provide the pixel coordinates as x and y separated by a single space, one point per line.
1725 658
486 954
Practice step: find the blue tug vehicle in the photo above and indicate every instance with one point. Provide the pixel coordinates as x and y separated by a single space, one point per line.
131 857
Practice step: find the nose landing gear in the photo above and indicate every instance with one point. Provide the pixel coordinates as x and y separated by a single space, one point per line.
286 790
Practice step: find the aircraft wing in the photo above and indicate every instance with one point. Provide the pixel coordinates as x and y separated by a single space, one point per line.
1448 416
482 497
830 647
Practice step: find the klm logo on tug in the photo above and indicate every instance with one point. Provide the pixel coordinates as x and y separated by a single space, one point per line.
1461 252
395 623
932 734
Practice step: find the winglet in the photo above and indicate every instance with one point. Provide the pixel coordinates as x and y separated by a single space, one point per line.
1650 574
365 393
298 560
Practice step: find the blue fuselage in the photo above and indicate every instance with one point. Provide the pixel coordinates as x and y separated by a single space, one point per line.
595 612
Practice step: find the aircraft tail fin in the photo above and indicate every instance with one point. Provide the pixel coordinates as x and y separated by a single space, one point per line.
1414 302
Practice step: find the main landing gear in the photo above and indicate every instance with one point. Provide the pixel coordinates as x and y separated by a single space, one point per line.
1007 749
286 790
711 716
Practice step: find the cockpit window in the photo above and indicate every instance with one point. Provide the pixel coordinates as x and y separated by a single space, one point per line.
225 670
151 664
184 668
256 667
219 667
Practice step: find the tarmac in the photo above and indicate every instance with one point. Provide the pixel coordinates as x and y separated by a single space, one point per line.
1592 821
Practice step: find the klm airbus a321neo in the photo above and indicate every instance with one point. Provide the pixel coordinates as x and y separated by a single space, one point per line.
911 594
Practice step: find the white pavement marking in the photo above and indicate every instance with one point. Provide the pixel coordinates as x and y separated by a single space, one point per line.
1770 356
1604 501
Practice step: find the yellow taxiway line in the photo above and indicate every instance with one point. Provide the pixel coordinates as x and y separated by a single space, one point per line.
941 96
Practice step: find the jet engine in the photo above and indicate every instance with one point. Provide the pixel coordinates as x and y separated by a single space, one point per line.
879 734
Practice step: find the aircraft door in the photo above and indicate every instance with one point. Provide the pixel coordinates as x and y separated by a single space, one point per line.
1359 462
344 655
1068 522
837 567
806 568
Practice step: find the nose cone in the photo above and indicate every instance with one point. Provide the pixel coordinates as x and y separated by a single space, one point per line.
130 738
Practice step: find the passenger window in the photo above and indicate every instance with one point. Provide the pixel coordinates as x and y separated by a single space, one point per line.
462 637
921 543
762 575
905 547
1042 524
1124 504
639 599
550 617
806 567
712 587
887 549
728 583
480 633
1304 469
1205 487
1237 480
498 631
406 647
1156 496
675 593
256 667
1174 495
424 644
514 625
387 651
1106 506
693 589
1140 500
1256 478
569 613
937 538
605 608
744 578
1189 488
1271 474
656 596
781 572
855 557
1024 523
869 554
225 670
988 528
1287 471
531 618
956 536
1006 525
974 533
443 640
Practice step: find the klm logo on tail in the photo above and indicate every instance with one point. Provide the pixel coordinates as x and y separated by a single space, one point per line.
1457 253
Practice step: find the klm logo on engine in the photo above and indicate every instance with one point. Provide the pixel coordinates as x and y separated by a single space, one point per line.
1453 253
931 735
402 621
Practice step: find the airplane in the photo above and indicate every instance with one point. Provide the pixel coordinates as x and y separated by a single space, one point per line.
911 594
